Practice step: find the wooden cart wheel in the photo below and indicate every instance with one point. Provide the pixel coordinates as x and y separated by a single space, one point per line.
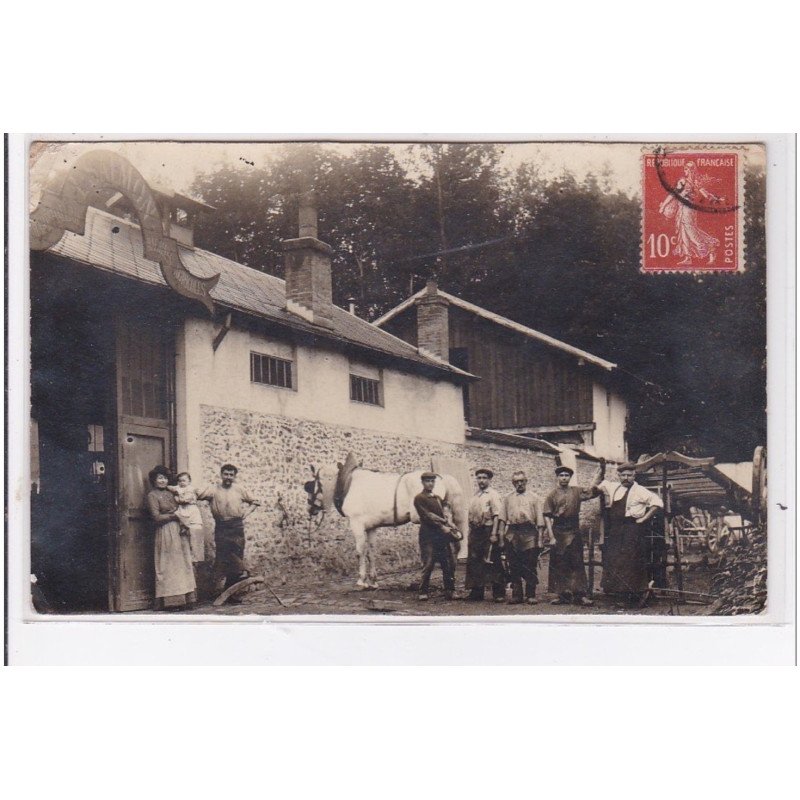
676 534
712 538
759 488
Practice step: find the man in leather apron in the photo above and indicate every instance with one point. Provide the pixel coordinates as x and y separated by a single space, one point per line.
630 507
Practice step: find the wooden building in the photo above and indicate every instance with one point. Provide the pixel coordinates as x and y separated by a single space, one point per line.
531 385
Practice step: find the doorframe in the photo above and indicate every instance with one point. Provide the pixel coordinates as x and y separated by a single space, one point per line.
142 425
127 424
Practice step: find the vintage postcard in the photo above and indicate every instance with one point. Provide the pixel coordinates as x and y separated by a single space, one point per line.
522 380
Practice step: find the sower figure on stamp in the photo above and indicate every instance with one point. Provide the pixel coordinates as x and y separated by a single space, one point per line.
485 543
230 505
630 506
562 508
436 537
523 535
690 240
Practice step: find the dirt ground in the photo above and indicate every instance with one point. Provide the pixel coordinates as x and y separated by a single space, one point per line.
396 597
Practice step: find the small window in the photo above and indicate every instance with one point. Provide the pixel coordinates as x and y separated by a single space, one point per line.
365 390
271 371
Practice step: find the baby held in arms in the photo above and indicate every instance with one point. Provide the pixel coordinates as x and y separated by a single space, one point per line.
188 513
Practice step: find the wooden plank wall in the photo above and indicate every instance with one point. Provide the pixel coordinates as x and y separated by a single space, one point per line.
524 383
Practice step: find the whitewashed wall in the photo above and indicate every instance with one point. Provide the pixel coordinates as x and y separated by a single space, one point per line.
610 413
413 405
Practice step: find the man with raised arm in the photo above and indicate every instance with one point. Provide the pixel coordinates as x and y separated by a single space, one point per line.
562 508
630 507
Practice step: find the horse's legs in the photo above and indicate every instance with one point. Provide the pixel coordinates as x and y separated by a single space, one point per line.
361 548
372 575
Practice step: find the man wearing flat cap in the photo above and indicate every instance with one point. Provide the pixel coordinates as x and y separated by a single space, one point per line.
485 540
562 508
437 536
630 506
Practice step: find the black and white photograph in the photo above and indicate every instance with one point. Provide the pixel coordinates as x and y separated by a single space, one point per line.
398 379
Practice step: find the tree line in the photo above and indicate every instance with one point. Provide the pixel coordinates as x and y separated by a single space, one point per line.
559 254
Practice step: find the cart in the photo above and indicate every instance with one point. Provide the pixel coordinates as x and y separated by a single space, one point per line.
704 510
704 532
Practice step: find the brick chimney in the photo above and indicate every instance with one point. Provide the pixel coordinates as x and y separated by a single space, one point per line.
433 329
307 266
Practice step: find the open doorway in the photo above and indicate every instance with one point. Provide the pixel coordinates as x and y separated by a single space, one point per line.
72 447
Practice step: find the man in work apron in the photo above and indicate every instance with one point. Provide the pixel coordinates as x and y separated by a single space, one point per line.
625 555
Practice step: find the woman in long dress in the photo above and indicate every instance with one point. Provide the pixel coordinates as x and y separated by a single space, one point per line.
690 240
175 584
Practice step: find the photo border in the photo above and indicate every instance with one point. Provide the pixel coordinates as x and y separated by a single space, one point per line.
144 638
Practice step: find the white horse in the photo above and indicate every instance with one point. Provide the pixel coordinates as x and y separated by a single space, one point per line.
371 500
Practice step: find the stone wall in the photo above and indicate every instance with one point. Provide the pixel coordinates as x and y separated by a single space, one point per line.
273 454
539 467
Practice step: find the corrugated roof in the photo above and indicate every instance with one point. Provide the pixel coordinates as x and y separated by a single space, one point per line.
504 321
511 440
115 245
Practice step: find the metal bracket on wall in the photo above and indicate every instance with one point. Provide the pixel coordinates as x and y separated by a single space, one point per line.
222 333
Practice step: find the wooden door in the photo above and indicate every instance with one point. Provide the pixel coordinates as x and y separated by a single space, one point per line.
145 436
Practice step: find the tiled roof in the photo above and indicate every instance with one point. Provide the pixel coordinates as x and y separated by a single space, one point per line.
115 245
504 321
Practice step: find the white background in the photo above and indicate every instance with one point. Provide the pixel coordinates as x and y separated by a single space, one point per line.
419 67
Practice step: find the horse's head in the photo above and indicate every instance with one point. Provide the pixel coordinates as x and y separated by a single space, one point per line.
320 489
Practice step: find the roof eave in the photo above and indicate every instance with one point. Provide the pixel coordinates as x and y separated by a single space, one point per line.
442 369
543 338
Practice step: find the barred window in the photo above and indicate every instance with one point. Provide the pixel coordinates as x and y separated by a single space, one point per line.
270 370
365 390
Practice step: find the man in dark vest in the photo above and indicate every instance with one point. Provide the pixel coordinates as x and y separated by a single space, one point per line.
436 536
562 508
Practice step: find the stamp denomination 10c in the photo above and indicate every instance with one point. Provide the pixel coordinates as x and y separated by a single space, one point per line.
692 219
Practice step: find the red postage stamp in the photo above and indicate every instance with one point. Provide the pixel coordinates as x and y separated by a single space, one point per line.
692 211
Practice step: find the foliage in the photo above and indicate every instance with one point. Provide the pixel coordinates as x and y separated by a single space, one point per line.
560 255
740 580
366 206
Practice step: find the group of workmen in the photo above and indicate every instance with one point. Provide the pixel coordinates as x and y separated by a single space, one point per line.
508 535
